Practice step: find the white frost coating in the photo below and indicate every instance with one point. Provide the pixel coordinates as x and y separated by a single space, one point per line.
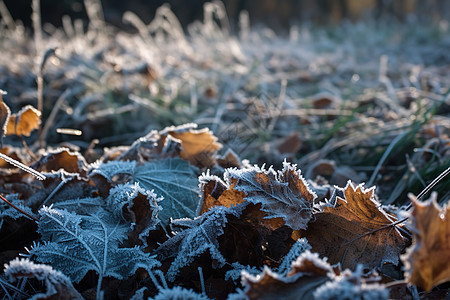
299 247
178 293
236 273
284 194
54 280
200 237
111 168
76 244
351 286
315 259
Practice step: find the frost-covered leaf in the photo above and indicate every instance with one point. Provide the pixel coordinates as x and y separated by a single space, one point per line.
283 194
352 285
61 158
24 122
136 205
300 246
200 236
427 261
308 272
110 169
198 145
236 273
176 181
216 193
76 244
57 285
5 113
356 231
178 293
172 178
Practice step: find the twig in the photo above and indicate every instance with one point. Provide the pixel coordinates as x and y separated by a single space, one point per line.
18 209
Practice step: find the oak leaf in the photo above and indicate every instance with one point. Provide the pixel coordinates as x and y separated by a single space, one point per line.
427 262
356 231
24 122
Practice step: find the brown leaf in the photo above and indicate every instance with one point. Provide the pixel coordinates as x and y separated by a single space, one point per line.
199 146
290 144
308 273
283 194
356 231
24 122
427 261
229 160
5 113
61 158
215 193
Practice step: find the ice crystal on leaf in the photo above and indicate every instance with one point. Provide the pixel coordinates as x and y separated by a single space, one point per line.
200 236
282 193
178 293
350 285
136 205
173 178
56 283
76 244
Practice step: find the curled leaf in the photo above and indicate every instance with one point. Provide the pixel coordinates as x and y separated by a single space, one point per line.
24 122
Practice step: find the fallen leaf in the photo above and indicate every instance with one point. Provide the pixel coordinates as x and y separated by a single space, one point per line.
356 231
215 193
61 158
198 146
5 113
290 144
24 122
427 261
283 194
229 160
308 273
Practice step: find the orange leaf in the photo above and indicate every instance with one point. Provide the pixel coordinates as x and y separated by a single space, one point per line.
356 231
24 122
199 146
215 193
428 260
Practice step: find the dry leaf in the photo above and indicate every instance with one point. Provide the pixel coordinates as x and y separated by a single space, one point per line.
24 122
215 193
428 260
283 194
356 231
308 273
229 160
61 158
199 146
5 113
290 144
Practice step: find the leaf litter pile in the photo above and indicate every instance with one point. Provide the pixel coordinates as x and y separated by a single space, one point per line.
101 198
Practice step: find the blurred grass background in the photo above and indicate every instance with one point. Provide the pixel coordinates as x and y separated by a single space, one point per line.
279 14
